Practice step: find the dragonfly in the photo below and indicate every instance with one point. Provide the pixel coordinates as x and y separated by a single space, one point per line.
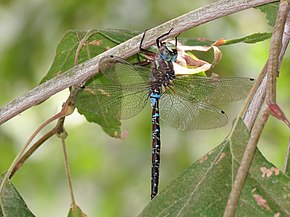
186 102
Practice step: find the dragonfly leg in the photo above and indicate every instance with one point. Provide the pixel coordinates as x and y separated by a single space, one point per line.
143 62
158 43
145 51
176 40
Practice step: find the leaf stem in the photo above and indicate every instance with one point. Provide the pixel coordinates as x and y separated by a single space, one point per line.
67 171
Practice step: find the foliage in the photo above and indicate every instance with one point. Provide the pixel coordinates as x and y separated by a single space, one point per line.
203 189
11 202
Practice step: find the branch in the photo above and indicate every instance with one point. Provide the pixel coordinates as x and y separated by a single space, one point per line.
277 50
82 72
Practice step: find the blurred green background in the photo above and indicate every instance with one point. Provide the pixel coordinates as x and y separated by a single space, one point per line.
112 177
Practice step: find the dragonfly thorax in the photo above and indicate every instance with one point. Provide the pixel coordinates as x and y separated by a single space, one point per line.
162 71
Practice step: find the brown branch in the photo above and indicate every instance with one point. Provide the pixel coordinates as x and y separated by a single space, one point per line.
272 68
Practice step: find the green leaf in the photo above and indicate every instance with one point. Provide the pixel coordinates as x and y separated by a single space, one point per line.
75 211
110 125
204 188
195 41
250 39
94 42
271 11
12 204
287 161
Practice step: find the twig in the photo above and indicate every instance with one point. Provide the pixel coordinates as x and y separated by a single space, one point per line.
31 150
38 143
275 50
67 109
272 64
273 71
83 71
62 135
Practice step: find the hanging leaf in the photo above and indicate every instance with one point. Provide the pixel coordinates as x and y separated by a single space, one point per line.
271 11
188 64
203 189
12 204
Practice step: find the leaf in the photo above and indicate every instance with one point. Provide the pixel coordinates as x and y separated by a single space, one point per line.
195 42
110 125
75 211
12 204
93 43
249 39
287 160
271 11
204 188
187 63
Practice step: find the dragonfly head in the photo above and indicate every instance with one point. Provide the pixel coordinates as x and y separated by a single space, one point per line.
168 52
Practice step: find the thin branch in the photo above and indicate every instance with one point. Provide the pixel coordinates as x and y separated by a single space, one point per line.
261 83
67 109
272 69
82 72
30 151
55 131
275 50
68 174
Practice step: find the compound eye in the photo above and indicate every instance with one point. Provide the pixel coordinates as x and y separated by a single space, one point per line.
166 55
173 55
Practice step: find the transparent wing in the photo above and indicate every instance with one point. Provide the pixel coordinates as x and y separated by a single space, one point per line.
121 91
212 90
120 71
189 101
182 114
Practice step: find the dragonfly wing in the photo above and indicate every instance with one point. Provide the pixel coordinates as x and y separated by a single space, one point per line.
120 71
120 102
182 114
212 90
120 91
